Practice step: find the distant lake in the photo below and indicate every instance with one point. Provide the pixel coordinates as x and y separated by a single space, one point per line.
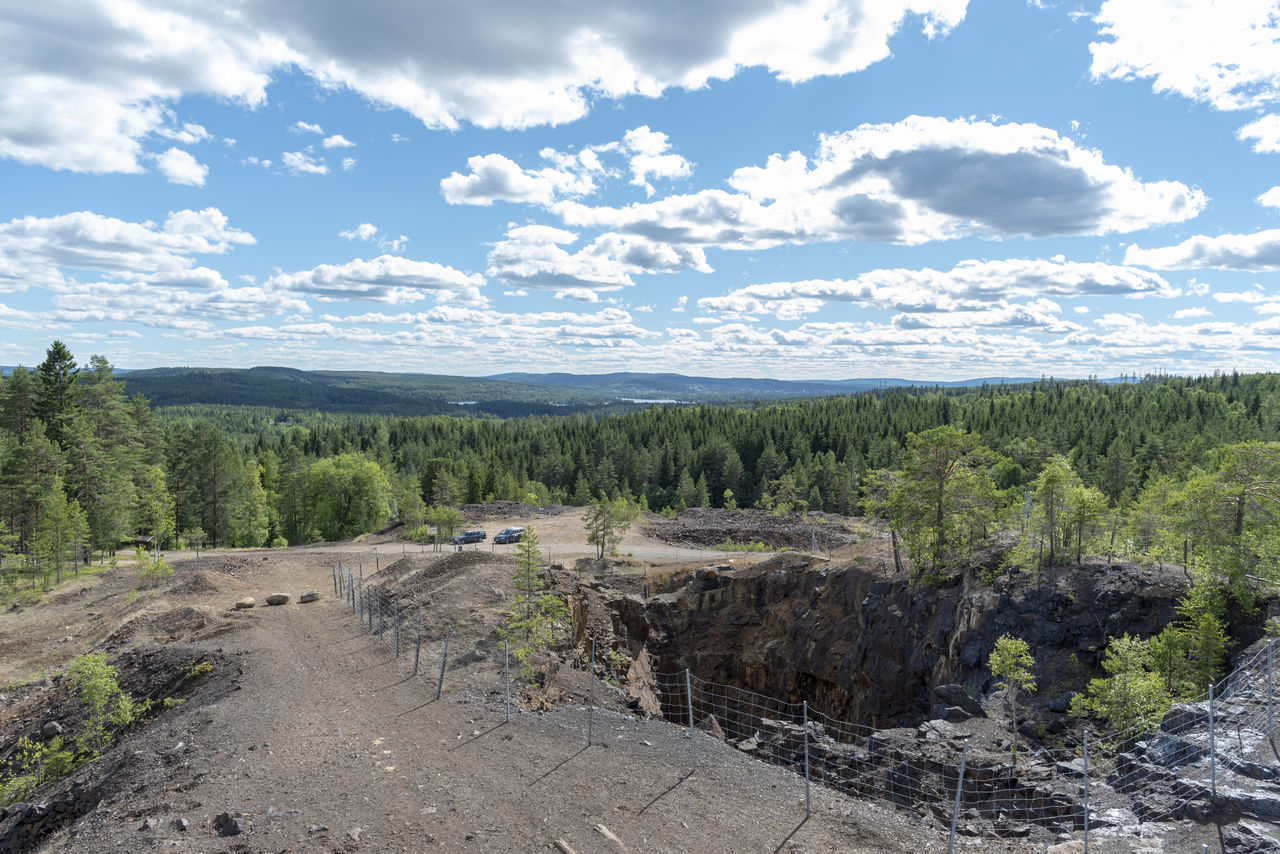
649 400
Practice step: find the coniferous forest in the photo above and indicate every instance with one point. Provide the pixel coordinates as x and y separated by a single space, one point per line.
1168 468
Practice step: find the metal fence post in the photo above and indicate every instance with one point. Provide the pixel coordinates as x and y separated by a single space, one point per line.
506 675
335 579
379 600
591 691
395 616
443 658
688 693
417 645
1270 719
808 811
955 814
375 560
351 590
1086 791
1213 759
362 605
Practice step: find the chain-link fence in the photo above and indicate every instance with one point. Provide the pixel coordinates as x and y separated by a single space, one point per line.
1215 755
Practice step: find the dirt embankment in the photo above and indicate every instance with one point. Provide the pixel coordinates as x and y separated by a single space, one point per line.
708 528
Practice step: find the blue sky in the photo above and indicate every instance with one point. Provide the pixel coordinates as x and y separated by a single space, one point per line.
929 189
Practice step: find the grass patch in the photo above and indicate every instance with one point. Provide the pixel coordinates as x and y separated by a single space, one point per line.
734 546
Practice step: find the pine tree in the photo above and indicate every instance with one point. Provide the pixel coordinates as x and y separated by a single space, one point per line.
606 522
1011 663
536 618
55 380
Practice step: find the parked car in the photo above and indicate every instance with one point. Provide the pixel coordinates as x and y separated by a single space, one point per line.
472 535
509 535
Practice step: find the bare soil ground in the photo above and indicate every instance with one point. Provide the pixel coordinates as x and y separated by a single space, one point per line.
318 739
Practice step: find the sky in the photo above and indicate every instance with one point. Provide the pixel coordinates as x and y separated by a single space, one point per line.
823 189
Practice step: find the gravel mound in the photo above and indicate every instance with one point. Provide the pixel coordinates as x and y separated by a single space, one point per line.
509 510
705 527
201 582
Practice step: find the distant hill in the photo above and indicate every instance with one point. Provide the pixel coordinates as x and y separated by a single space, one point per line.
508 394
714 388
348 391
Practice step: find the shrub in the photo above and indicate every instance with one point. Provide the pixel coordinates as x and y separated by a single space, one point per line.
110 708
150 570
421 534
750 546
197 669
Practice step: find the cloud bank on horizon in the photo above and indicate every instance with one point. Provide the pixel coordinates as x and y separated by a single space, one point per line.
806 188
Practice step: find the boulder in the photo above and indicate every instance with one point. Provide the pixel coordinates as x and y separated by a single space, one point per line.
1073 846
710 725
954 714
51 729
229 825
1167 751
1184 716
245 603
955 695
278 599
1061 703
310 596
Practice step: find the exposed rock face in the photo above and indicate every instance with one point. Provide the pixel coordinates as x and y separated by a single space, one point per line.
871 650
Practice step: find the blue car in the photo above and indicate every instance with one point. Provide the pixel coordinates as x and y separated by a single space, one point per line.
509 535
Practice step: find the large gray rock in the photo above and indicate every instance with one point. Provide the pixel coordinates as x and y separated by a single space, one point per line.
1167 751
245 603
278 599
311 596
1184 716
229 825
956 696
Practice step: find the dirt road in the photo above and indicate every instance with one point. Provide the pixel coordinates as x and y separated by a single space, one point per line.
330 744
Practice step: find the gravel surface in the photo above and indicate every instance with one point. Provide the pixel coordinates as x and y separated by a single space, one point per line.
314 738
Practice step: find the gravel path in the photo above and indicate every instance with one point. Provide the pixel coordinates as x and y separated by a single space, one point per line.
329 745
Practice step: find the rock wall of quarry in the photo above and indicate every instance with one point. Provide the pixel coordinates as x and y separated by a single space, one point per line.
872 650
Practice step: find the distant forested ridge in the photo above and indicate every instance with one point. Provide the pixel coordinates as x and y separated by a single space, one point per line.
503 395
84 466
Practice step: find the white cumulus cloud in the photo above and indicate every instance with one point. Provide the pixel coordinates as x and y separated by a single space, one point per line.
337 141
114 67
968 287
534 256
47 251
180 167
494 177
303 163
650 156
189 134
1265 132
1255 252
913 181
387 278
363 231
1221 53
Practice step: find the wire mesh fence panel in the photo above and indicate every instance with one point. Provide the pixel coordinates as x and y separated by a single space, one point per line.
1156 772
